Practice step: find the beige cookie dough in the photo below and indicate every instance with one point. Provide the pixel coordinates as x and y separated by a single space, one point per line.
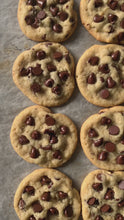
102 138
43 138
104 19
47 194
45 74
102 195
47 20
100 75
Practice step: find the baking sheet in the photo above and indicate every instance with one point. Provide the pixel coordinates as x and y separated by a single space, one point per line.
12 101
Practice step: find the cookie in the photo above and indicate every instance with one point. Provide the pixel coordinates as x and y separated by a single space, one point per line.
47 194
100 75
102 138
102 195
43 138
47 20
104 19
45 74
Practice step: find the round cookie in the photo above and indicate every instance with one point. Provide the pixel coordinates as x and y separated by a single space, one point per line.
102 138
100 75
47 20
45 74
43 138
102 195
47 194
104 19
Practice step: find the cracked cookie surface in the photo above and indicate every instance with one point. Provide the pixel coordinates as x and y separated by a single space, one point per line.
100 75
45 74
47 20
47 194
104 19
43 138
102 195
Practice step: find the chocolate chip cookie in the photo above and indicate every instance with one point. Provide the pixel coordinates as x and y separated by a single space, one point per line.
47 20
104 19
43 138
100 75
102 138
102 195
45 74
47 194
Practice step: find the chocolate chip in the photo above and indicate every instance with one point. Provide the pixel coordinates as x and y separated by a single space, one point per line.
122 141
49 83
122 82
46 196
102 79
102 156
105 121
23 140
36 135
93 201
64 130
41 15
121 185
119 217
62 195
110 147
51 67
49 132
106 208
109 194
112 18
57 90
30 121
62 15
98 217
57 28
122 23
98 142
37 71
116 55
35 87
122 7
98 3
111 29
57 155
29 19
99 176
104 68
91 79
93 61
45 180
58 56
41 3
113 4
92 133
97 186
29 190
48 147
68 59
21 204
121 36
104 94
120 159
54 10
63 75
110 82
32 217
37 206
41 55
24 72
98 18
31 2
50 121
63 1
53 140
53 211
34 153
121 204
68 211
114 130
36 23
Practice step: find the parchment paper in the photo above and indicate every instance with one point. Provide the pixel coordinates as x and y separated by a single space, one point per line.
13 168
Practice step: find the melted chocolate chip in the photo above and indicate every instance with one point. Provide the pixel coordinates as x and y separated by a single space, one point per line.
68 59
63 75
64 130
92 133
114 130
50 121
104 94
29 19
31 2
48 147
110 82
98 3
110 147
24 72
37 71
23 140
104 68
91 79
34 153
57 28
41 3
98 217
58 56
121 185
106 208
51 67
30 121
116 55
46 196
21 204
68 211
32 217
105 121
41 55
57 90
29 190
121 204
37 206
45 180
54 10
62 195
93 201
98 18
109 194
41 15
119 217
53 140
102 156
113 4
53 211
99 176
121 36
35 87
112 18
49 132
57 155
97 186
120 159
93 61
36 135
98 142
36 23
122 7
62 16
49 83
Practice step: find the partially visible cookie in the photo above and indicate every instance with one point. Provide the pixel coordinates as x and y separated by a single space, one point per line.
102 138
104 19
45 74
100 75
47 20
47 194
102 195
43 138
